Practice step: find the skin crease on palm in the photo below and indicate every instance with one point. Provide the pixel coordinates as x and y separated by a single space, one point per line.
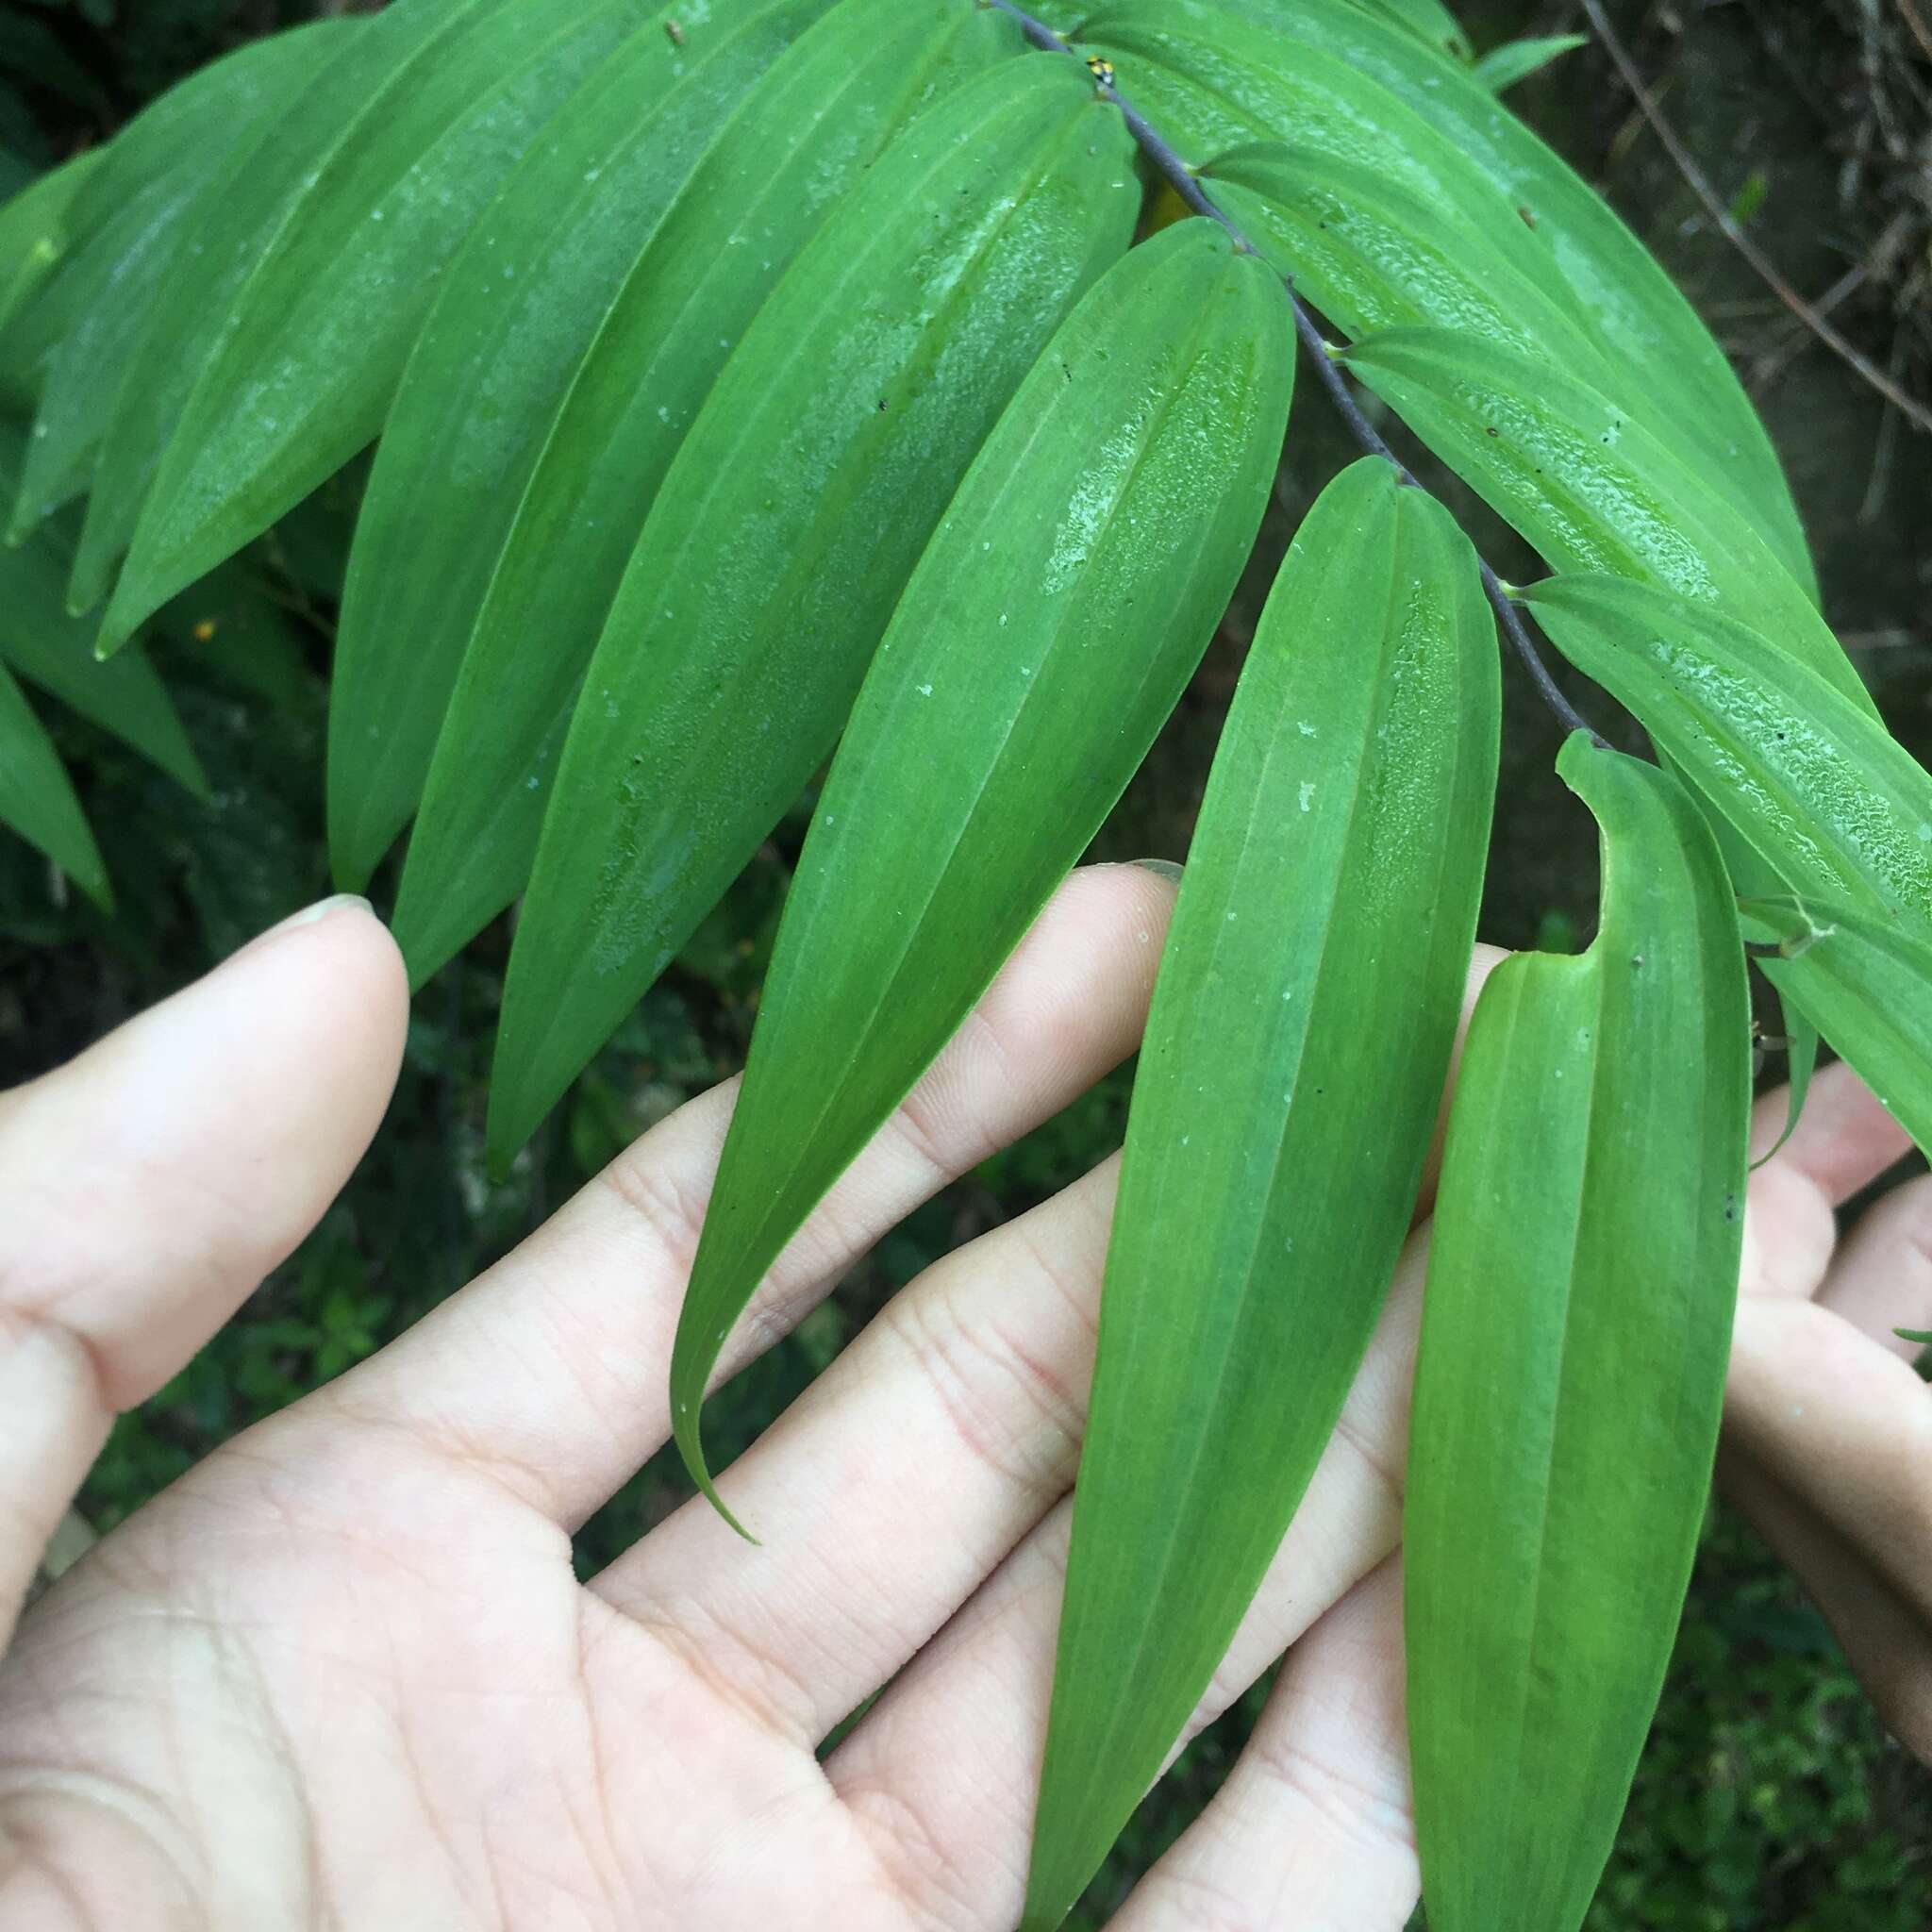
341 1674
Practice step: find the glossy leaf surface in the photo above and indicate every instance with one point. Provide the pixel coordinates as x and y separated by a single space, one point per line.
309 360
519 305
1049 629
1327 76
1811 781
801 140
1371 255
1288 1087
786 529
1575 1335
1587 484
37 796
137 249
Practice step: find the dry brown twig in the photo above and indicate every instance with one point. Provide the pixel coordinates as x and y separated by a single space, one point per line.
1914 412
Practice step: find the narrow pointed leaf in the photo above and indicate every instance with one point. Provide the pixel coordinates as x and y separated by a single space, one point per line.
1514 61
138 247
263 178
1800 1062
786 530
37 796
520 304
1215 73
1575 1334
1288 1087
1049 629
308 361
806 133
1586 483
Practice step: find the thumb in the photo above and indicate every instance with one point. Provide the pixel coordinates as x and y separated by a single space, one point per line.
149 1186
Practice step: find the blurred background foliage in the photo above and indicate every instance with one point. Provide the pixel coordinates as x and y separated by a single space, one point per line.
1768 1798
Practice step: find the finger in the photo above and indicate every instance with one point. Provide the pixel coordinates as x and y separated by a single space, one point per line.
1844 1428
1844 1139
550 1370
1882 1278
891 1488
1887 1639
943 1770
152 1184
1314 1827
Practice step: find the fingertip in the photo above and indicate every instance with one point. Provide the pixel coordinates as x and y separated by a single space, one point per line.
176 1162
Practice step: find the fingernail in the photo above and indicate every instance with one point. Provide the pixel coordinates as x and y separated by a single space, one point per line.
312 915
1161 869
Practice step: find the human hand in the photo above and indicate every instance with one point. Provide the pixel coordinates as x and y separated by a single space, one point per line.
344 1670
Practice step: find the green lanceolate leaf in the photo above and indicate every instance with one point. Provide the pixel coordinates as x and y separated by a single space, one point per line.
310 359
1504 67
1214 73
1575 1332
804 135
138 247
1288 1087
37 796
785 531
264 174
1869 987
1587 484
1800 1062
1049 629
1809 780
520 304
35 235
1373 256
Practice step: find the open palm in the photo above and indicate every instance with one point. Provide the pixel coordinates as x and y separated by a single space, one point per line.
342 1674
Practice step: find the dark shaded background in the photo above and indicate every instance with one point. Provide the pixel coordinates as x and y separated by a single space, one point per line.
1769 1797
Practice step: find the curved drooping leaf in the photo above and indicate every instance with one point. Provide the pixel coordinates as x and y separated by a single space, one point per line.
304 368
37 796
1050 626
520 304
1865 982
785 531
1287 1092
35 235
1577 1330
1216 73
1514 61
137 248
810 129
1371 255
1587 484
